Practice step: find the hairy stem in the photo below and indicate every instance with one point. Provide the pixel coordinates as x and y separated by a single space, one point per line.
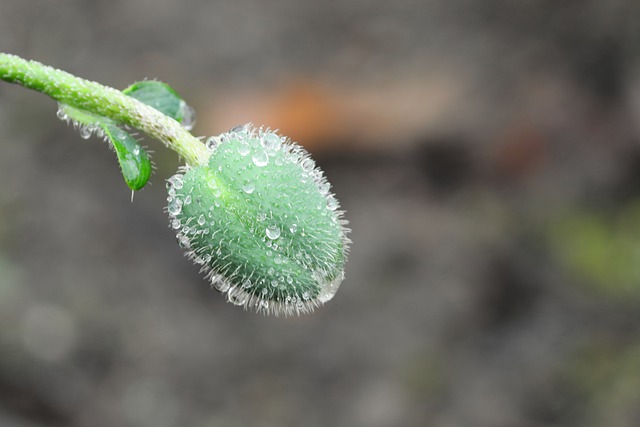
105 101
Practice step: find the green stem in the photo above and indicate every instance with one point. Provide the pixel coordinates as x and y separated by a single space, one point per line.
105 101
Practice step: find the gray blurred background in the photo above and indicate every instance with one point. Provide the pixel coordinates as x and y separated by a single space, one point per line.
487 154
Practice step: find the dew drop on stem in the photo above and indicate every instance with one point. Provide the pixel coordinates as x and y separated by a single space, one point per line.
188 116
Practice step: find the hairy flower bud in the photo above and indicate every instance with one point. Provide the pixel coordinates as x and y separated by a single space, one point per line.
260 219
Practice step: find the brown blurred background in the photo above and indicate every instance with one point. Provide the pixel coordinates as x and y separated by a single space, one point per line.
487 154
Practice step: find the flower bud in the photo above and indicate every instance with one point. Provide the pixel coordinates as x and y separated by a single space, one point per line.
260 219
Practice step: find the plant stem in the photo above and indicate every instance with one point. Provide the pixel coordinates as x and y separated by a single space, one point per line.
105 101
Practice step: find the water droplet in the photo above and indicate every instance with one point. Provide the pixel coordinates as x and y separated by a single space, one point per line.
212 143
306 295
244 148
263 305
273 232
188 116
260 158
293 228
221 285
201 220
238 298
332 203
175 224
175 206
187 200
85 132
61 114
246 284
175 182
183 242
324 188
271 143
307 164
278 259
236 129
271 271
248 187
215 189
262 216
289 280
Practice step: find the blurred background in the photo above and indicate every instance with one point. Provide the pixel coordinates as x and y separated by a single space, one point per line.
487 154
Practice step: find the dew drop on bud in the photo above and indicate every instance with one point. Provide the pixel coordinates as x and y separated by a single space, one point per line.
211 143
271 143
244 148
273 232
260 158
332 203
324 188
248 187
175 206
238 298
175 182
221 285
307 164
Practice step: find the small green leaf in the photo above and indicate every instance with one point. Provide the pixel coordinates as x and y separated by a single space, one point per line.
164 99
134 160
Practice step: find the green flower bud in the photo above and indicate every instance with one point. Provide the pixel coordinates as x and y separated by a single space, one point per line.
260 219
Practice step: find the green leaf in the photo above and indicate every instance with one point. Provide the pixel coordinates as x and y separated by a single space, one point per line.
134 160
164 99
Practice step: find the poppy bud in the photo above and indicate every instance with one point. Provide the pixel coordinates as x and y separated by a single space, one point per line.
262 222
